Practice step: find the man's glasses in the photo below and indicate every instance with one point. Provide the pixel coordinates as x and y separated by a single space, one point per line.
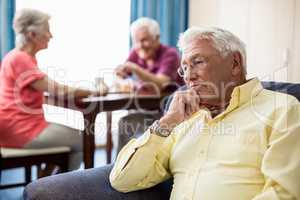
197 63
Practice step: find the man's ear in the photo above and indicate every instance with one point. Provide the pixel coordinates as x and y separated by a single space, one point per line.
157 38
30 35
237 66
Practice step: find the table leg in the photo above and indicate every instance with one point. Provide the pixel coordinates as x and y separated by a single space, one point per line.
109 143
89 139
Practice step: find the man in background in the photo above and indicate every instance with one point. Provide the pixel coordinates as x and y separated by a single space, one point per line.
153 66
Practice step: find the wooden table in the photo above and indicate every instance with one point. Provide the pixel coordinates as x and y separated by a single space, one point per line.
92 106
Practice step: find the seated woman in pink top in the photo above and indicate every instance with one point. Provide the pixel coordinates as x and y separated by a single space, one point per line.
22 84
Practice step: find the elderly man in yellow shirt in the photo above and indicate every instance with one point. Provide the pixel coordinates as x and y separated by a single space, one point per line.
225 137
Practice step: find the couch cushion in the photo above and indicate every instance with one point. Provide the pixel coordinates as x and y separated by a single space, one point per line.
91 184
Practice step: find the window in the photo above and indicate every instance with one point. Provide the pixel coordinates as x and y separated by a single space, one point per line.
89 37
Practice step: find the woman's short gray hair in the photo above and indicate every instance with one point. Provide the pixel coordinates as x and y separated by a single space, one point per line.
28 20
144 22
224 41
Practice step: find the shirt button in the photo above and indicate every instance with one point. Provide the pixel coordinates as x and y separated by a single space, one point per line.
201 152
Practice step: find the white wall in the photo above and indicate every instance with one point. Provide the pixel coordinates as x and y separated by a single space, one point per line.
296 58
203 12
270 29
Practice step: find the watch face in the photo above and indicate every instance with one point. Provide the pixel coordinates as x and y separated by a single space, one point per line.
155 129
165 133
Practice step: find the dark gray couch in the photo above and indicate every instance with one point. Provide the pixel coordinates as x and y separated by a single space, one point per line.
90 184
93 184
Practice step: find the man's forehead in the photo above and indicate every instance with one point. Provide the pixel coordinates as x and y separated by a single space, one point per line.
192 55
200 44
142 33
197 49
144 30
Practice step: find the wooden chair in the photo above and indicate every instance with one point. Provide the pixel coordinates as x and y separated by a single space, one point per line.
13 158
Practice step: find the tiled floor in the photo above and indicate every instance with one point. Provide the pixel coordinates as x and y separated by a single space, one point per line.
15 175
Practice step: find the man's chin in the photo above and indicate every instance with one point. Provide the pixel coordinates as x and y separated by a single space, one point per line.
206 94
207 97
144 55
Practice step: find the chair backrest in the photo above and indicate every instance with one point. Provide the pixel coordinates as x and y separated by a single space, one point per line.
288 88
13 158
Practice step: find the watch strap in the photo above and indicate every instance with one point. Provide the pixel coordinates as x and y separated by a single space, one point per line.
156 129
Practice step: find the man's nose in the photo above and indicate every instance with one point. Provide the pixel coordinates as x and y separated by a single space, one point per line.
145 44
50 35
190 75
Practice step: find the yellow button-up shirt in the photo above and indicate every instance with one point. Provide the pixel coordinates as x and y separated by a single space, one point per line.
250 151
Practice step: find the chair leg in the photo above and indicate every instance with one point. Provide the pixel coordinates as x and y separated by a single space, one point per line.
27 174
48 170
64 165
39 171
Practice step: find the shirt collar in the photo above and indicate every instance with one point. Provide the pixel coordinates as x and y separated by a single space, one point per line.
158 52
247 91
244 93
240 95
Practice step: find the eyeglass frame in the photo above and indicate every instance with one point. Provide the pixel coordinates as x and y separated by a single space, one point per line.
205 61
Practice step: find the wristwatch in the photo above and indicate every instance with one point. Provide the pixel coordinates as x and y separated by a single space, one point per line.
157 130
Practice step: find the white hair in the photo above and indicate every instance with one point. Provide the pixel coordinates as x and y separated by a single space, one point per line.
144 22
223 41
28 20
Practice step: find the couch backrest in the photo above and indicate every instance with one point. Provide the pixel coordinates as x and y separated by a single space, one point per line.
289 88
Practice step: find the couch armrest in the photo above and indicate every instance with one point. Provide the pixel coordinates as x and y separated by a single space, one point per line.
90 184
